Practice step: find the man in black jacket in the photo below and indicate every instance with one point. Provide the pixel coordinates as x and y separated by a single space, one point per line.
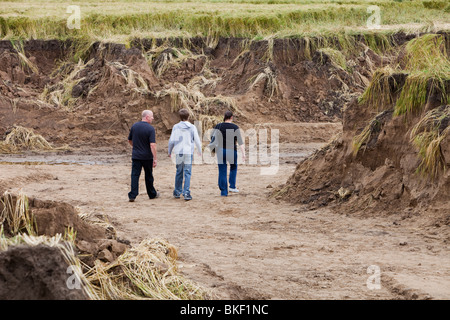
229 137
142 139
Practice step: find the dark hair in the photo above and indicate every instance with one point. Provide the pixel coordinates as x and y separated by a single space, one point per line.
227 115
184 114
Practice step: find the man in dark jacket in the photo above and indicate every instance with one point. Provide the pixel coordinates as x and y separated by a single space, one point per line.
229 136
142 139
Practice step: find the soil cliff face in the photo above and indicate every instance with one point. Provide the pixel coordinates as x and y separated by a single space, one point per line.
92 97
393 154
383 177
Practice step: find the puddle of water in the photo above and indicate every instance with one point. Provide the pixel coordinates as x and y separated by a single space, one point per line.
50 162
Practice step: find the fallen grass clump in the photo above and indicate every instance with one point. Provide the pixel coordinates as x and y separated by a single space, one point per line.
162 58
61 93
25 63
270 82
20 138
200 108
63 244
132 78
417 88
429 67
147 271
379 95
336 57
427 136
427 51
16 214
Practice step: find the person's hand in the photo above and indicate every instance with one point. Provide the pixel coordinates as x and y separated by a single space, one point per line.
154 163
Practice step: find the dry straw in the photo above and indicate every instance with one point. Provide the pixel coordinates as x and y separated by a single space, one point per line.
147 271
379 95
270 82
427 135
21 138
16 214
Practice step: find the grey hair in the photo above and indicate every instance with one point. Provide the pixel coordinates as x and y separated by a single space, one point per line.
146 113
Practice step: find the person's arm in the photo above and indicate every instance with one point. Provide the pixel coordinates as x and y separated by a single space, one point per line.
197 142
153 148
130 142
171 142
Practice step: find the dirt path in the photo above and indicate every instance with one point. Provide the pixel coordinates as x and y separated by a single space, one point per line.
247 246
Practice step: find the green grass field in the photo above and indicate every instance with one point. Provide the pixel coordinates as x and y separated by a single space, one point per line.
120 20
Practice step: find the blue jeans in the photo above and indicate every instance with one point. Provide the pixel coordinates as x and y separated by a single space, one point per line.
225 156
136 168
184 168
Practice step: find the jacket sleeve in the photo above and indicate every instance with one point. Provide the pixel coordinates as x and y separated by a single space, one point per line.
171 141
197 141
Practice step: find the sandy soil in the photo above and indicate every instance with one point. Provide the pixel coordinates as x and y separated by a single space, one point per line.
246 246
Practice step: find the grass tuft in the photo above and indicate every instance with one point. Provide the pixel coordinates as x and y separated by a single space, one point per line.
21 138
270 82
427 136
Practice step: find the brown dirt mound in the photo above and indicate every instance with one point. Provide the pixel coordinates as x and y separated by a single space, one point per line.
43 268
382 178
92 241
35 273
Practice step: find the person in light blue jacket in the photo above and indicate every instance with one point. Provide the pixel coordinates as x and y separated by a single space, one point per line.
182 141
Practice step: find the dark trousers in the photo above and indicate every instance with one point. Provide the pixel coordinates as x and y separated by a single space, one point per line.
136 168
225 156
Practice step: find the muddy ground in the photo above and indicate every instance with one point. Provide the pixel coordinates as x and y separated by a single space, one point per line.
251 245
246 246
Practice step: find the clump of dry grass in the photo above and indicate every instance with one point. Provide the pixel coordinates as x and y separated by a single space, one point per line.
160 59
66 247
132 78
61 93
337 57
379 95
270 82
147 271
201 108
16 214
25 63
21 138
427 136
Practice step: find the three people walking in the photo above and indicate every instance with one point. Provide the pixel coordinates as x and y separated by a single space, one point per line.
182 143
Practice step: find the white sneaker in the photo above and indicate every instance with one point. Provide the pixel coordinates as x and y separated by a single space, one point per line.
233 190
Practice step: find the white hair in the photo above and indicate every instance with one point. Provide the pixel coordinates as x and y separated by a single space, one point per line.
146 113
